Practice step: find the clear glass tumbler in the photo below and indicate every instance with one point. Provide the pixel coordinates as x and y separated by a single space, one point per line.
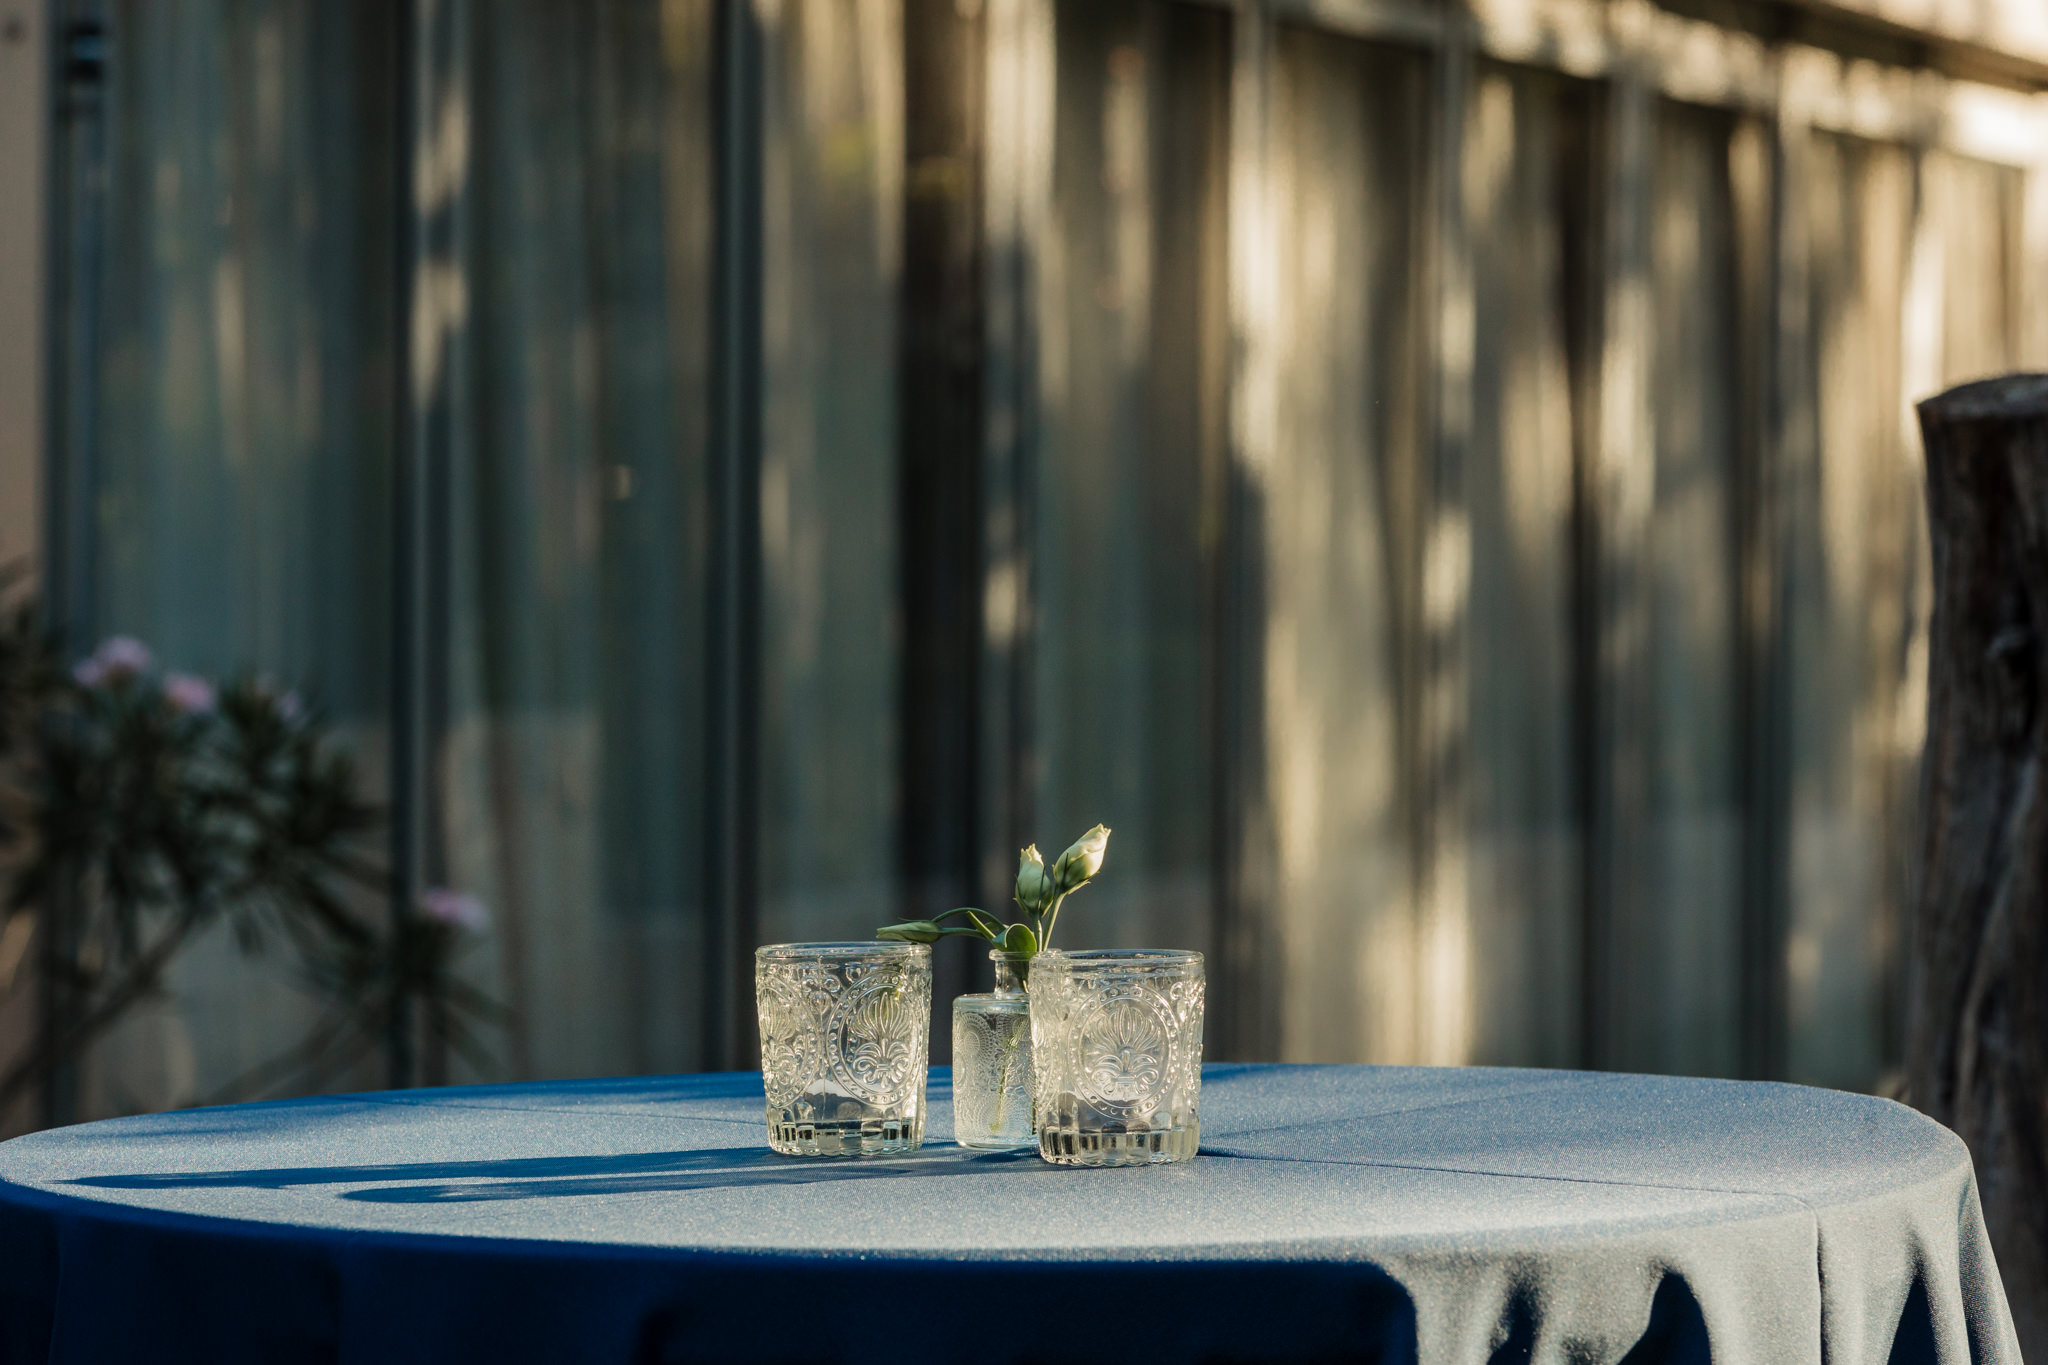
992 1060
1116 1047
845 1033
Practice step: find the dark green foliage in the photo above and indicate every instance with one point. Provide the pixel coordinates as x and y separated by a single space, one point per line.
145 808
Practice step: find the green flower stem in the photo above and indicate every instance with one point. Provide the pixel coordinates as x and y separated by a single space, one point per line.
1009 1059
1003 1081
1052 914
984 925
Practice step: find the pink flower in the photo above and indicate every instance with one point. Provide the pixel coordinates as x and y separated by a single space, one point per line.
189 693
119 658
124 654
457 909
286 706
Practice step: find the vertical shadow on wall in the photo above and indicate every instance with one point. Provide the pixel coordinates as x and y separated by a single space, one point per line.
939 499
1247 980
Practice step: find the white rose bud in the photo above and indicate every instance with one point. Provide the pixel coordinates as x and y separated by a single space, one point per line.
1034 887
1081 861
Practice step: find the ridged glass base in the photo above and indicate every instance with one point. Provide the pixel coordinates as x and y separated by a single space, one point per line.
1019 1144
1145 1147
1116 1046
846 1137
844 1040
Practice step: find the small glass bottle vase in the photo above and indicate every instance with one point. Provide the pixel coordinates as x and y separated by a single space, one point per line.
992 1061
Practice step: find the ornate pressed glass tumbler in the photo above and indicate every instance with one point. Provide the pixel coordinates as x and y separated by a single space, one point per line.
845 1032
1116 1048
992 1061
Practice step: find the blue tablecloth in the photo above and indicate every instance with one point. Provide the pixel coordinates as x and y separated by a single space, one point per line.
1336 1213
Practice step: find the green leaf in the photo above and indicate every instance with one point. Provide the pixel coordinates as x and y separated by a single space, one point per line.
1020 939
990 927
914 931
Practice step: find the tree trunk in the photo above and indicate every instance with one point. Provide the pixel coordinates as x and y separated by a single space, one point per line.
1977 1011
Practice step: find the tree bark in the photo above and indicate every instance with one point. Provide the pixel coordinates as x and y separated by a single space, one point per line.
1977 1008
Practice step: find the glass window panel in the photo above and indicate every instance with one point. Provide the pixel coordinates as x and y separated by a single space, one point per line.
1134 316
1679 946
240 511
832 196
1527 200
1333 527
570 633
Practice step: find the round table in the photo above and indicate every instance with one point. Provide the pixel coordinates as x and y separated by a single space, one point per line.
1336 1213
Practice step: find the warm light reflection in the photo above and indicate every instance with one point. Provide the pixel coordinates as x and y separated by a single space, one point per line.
1609 429
1341 143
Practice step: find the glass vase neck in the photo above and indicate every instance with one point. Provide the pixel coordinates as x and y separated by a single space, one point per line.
1012 970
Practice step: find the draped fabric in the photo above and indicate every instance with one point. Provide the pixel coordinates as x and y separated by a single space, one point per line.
567 380
1300 523
1910 292
237 511
1856 590
1681 940
1127 497
1335 521
579 530
832 188
1527 200
1385 1214
564 192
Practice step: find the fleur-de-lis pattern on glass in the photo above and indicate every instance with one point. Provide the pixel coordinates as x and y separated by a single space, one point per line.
1117 1045
873 1042
844 1041
1125 1044
791 1041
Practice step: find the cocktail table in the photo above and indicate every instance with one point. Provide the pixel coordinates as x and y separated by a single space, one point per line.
1336 1213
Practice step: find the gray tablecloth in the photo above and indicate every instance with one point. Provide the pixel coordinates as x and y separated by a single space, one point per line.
1335 1213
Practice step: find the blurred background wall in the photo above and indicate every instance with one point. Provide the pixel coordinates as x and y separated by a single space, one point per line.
1437 478
24 144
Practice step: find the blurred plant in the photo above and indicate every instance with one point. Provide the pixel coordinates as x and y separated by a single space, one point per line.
369 985
145 808
1040 893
